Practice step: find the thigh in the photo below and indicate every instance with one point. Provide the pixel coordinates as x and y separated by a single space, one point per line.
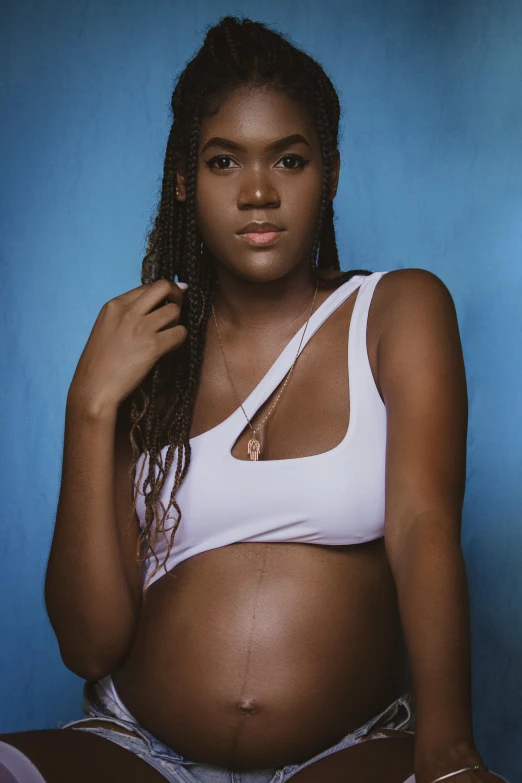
67 755
105 724
382 760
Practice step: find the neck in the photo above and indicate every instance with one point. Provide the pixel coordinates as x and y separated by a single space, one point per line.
254 308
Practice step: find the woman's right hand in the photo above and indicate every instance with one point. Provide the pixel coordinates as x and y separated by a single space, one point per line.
125 343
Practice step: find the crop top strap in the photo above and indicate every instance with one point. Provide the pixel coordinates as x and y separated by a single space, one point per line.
363 391
234 425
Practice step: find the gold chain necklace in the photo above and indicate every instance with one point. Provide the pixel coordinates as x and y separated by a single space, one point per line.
254 446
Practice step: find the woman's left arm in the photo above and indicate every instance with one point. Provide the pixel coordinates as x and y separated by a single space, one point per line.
423 382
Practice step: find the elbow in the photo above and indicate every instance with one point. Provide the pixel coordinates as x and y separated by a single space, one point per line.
90 665
89 670
92 651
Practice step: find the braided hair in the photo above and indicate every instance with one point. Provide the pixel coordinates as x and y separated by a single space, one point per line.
235 53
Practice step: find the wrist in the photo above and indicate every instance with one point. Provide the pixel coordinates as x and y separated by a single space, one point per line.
94 409
432 762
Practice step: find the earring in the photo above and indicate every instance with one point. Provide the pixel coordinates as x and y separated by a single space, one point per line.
202 309
177 191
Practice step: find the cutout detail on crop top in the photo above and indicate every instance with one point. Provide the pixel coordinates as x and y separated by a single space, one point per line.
225 500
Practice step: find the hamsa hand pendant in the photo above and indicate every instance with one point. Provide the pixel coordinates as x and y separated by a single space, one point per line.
254 448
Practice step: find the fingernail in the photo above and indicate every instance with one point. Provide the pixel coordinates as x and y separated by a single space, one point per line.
183 286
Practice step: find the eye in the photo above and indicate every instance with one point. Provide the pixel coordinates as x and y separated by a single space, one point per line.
218 158
300 161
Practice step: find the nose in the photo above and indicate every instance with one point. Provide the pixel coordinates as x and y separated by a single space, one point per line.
257 192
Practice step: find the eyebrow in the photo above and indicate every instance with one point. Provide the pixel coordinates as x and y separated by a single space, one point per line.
218 141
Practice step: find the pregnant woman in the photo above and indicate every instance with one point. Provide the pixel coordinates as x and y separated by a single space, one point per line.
256 562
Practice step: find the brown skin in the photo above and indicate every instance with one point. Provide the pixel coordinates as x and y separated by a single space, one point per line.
346 650
264 296
261 291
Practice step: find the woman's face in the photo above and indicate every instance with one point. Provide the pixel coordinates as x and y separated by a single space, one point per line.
259 161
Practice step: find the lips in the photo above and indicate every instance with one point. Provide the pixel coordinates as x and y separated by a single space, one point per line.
261 237
260 227
260 233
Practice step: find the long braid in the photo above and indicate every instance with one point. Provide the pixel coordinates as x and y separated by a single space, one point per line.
328 252
325 140
235 53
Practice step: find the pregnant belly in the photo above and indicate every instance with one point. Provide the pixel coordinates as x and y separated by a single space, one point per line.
261 655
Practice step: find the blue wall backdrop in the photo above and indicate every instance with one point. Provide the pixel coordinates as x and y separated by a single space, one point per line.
431 178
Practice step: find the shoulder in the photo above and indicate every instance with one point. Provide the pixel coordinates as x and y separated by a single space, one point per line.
419 340
412 287
408 297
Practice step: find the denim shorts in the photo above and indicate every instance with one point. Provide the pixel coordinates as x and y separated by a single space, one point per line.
177 769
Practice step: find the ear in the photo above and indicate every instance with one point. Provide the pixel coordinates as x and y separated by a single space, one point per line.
181 193
180 187
334 177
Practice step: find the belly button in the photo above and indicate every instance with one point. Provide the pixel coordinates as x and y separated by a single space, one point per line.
247 705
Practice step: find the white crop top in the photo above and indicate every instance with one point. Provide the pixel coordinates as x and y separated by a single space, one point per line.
335 498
